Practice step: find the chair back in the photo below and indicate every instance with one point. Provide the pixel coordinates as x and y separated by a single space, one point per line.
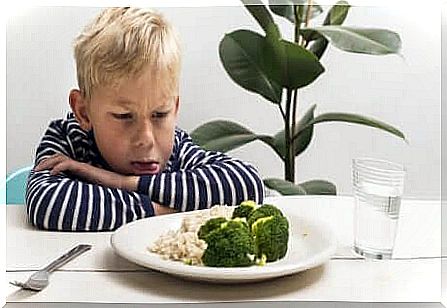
16 186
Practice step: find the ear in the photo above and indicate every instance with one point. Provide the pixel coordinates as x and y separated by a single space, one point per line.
177 104
79 105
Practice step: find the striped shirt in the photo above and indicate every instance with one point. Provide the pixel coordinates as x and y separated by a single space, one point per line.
193 179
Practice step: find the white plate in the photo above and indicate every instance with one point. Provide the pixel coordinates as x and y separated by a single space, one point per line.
310 245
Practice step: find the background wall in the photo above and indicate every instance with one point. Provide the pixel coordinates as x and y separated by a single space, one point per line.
401 90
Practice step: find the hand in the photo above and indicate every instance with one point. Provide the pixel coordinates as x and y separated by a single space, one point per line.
162 210
59 162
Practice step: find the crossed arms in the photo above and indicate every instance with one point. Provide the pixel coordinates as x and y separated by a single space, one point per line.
68 194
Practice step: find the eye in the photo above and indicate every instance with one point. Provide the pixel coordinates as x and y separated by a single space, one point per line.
160 115
122 116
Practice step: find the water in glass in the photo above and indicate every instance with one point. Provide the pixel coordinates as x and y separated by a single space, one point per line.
377 213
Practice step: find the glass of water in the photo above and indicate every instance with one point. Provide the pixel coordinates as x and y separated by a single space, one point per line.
378 187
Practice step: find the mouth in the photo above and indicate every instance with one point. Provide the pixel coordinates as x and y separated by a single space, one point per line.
145 167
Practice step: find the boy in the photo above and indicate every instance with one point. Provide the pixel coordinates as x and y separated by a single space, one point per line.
118 156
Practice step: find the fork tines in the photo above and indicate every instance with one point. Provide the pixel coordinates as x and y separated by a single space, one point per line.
17 284
21 285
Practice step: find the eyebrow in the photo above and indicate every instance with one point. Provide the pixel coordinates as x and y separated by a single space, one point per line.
127 102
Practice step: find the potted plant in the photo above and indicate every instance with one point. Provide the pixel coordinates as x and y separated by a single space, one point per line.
275 68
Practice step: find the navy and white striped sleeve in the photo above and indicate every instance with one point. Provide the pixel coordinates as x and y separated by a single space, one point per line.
63 203
202 179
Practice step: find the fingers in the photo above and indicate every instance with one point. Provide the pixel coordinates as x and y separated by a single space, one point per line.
61 166
59 163
50 162
56 164
162 210
167 210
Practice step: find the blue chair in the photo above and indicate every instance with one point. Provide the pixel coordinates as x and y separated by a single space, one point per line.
16 186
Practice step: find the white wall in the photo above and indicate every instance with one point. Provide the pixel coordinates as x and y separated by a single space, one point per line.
403 91
444 104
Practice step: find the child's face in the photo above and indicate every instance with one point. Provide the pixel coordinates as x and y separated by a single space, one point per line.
134 125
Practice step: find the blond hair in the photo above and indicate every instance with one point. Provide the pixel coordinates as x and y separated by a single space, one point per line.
125 42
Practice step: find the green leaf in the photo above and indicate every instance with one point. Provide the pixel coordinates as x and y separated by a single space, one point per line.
319 187
310 35
336 16
318 47
288 64
303 138
301 68
314 187
284 8
353 118
362 40
284 187
262 16
244 55
224 136
265 65
280 143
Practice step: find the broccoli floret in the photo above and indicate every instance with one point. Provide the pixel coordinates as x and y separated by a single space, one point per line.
238 222
209 226
244 209
230 245
271 235
263 211
262 260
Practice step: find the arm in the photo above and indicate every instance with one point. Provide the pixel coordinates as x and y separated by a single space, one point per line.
201 179
60 202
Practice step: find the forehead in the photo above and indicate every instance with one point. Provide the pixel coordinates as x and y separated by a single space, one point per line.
149 83
144 88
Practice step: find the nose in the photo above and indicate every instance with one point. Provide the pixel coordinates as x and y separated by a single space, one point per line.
144 135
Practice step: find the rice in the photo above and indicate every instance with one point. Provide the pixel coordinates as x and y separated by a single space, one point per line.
183 244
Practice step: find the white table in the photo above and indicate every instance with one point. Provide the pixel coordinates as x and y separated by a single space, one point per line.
414 275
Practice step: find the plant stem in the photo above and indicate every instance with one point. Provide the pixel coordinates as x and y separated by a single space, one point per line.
282 112
306 22
289 155
297 11
294 111
292 99
309 9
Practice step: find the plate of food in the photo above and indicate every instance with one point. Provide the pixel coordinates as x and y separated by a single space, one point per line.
226 244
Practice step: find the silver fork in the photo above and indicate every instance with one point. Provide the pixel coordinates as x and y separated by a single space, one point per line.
40 279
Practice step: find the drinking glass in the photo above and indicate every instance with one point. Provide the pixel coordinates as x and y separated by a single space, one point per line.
378 187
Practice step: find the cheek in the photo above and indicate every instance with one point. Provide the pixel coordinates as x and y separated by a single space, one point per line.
109 139
166 142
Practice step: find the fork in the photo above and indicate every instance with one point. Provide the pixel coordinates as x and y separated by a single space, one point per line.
40 279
